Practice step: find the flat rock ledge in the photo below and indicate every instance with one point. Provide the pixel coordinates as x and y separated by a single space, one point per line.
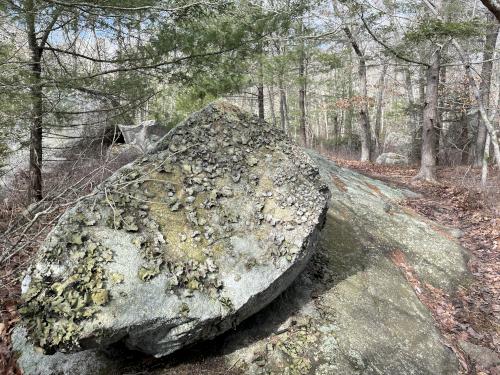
180 245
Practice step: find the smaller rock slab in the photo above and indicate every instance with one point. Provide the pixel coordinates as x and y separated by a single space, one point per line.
391 158
144 136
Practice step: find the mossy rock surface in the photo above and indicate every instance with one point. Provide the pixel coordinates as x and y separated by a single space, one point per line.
180 245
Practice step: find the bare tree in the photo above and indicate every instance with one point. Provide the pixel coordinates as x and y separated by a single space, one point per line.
380 108
302 89
485 86
475 89
430 118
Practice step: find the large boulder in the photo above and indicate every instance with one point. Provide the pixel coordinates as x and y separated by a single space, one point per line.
180 245
144 135
391 158
352 311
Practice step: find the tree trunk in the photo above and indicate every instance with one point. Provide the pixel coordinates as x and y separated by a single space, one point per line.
260 99
463 141
302 97
421 93
476 91
482 110
283 114
36 93
336 129
428 162
485 87
350 111
380 108
35 164
493 7
270 94
486 156
414 124
439 124
364 116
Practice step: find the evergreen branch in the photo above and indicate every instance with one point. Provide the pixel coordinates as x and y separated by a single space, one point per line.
159 64
389 48
128 9
93 59
49 28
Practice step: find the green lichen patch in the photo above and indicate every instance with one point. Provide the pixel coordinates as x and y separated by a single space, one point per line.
55 306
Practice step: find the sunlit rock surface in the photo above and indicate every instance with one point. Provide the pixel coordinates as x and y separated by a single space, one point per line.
180 245
352 311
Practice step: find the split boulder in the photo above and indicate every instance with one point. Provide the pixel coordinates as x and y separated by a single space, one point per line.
180 245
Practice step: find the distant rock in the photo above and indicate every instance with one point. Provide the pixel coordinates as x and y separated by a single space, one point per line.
391 158
180 245
144 136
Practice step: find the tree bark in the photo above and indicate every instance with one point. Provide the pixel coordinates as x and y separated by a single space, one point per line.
380 108
414 124
485 88
486 156
36 93
260 83
493 7
336 128
36 46
439 124
35 162
283 107
270 94
364 116
463 140
350 111
260 98
302 96
428 163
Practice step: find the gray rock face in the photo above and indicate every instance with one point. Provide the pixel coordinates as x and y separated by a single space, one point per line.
144 135
352 311
87 362
180 245
391 158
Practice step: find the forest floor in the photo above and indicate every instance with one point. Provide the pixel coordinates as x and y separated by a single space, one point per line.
469 320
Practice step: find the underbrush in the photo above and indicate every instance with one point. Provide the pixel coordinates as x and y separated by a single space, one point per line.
24 226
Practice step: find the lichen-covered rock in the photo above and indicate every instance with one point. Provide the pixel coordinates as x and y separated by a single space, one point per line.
352 310
181 244
87 362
